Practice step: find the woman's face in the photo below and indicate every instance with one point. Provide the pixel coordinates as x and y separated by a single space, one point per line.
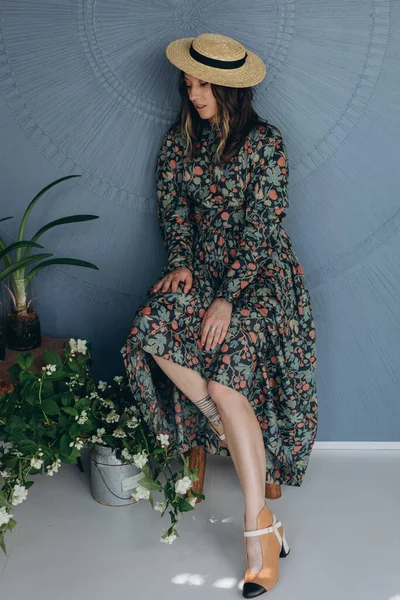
200 93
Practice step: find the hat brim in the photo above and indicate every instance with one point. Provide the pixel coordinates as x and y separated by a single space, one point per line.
251 73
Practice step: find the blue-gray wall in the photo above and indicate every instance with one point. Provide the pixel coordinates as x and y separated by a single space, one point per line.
85 88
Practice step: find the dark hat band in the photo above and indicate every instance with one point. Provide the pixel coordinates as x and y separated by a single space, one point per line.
213 62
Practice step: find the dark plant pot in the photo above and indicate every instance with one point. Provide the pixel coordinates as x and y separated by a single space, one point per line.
23 331
22 323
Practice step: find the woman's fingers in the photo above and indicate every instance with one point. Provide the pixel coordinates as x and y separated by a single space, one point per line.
173 281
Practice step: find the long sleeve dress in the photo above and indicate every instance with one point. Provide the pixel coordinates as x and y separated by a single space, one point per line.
225 225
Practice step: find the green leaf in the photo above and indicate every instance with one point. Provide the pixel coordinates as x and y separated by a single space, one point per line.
15 245
14 371
86 426
50 407
26 376
75 367
64 444
150 484
60 261
47 389
67 399
11 523
62 221
63 420
70 410
82 404
57 376
15 425
52 358
21 361
27 447
34 201
21 264
2 545
10 462
3 500
29 389
68 458
28 359
184 505
75 430
196 494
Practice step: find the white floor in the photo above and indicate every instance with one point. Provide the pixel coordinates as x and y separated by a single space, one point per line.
342 524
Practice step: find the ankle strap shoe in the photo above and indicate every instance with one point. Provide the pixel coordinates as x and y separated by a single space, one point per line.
256 584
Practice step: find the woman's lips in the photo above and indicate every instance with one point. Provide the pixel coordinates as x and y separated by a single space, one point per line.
201 107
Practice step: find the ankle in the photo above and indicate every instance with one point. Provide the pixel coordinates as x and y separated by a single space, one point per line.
251 514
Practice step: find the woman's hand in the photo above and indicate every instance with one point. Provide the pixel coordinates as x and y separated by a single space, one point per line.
173 279
218 316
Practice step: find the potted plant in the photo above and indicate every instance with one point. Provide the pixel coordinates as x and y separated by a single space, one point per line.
47 418
22 326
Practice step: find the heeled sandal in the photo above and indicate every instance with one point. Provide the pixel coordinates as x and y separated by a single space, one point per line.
256 584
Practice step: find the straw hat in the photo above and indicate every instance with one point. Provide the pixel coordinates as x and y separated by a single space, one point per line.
217 59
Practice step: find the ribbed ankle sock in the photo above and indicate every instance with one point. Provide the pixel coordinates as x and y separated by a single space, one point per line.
208 408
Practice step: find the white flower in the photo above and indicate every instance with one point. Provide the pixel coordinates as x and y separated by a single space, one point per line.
107 402
160 506
182 485
167 539
82 418
77 346
112 417
119 433
102 385
140 459
36 463
51 469
98 438
132 423
119 379
93 395
132 409
141 493
20 494
4 474
4 516
163 437
192 500
81 346
126 454
78 444
49 369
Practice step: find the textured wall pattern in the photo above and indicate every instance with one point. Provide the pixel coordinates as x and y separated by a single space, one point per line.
85 88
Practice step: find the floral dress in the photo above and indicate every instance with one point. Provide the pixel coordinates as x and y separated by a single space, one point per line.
225 225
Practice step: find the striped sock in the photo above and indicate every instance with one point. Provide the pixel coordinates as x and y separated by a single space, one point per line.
208 407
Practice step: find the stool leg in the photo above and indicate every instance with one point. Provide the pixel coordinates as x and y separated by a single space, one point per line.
272 491
197 460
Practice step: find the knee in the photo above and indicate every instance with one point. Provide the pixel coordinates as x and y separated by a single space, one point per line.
219 392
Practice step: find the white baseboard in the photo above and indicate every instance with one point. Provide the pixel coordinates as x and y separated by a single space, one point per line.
356 446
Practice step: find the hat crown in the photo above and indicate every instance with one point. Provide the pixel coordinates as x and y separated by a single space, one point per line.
218 46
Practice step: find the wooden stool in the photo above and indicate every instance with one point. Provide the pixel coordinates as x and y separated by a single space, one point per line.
197 460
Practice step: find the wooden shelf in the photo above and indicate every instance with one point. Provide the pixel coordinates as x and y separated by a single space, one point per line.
11 357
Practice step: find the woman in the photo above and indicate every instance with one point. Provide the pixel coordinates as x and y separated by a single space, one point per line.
226 337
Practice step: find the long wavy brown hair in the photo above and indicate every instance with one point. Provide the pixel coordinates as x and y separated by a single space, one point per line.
235 117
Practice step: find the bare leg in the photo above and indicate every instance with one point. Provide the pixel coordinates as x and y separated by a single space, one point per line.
247 449
194 387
